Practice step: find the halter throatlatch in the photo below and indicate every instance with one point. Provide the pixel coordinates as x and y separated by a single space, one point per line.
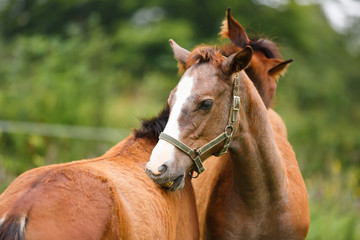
201 154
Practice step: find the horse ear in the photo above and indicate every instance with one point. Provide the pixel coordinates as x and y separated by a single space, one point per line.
237 61
181 54
234 31
278 66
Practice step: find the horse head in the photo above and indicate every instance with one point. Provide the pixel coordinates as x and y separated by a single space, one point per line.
200 109
266 65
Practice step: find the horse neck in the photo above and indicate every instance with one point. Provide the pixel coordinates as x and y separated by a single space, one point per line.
258 171
133 146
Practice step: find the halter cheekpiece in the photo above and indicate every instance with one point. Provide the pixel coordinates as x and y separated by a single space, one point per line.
201 154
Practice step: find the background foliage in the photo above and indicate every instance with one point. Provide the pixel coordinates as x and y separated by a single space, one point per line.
107 63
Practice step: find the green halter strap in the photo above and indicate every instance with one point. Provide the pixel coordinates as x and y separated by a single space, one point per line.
201 154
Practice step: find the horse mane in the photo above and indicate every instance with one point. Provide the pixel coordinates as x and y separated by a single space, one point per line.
263 45
152 128
265 52
267 47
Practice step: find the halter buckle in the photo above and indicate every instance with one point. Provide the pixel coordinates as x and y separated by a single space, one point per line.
236 103
193 154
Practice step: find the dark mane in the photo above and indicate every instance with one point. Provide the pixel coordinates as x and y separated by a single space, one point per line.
267 47
152 128
257 70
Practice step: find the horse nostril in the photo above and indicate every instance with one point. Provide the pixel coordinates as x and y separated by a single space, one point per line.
162 168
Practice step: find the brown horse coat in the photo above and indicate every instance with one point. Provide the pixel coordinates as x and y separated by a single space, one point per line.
109 197
214 186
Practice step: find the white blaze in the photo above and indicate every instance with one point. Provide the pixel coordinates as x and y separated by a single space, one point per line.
164 151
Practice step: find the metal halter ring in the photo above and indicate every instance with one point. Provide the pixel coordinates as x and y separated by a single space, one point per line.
231 128
192 176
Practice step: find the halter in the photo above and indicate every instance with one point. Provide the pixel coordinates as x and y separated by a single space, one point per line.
201 154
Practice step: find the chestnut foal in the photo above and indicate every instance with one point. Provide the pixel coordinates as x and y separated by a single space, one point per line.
256 191
109 197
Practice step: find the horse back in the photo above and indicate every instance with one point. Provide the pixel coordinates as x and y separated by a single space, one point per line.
59 202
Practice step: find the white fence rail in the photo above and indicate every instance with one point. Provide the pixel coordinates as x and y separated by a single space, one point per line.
64 131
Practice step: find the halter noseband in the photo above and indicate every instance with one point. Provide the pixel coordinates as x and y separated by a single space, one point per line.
201 154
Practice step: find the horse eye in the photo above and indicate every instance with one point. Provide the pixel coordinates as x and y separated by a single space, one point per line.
206 104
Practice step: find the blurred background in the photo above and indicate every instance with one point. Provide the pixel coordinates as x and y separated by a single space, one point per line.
77 75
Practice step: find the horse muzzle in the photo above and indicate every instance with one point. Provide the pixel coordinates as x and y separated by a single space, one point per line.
167 181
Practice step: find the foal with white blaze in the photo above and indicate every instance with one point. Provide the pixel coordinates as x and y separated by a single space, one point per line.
265 196
202 90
